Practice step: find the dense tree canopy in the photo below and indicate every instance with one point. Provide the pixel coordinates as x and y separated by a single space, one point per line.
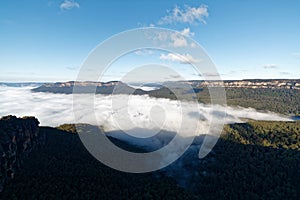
254 160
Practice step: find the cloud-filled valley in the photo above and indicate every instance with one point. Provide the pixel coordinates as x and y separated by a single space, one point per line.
149 122
143 111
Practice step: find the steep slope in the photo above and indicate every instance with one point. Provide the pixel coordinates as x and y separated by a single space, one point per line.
255 160
63 169
18 137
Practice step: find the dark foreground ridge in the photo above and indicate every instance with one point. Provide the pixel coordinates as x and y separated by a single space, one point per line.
254 160
18 137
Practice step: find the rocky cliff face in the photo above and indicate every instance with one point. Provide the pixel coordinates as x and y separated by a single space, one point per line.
250 83
18 136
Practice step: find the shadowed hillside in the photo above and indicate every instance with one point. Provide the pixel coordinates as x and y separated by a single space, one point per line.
18 137
63 169
255 160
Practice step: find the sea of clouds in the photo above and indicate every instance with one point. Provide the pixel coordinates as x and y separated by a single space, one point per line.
140 117
140 111
149 122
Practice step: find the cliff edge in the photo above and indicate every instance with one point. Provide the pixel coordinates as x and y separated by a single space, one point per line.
18 137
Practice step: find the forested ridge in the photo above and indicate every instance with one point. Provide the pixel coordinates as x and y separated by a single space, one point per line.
277 99
284 101
254 160
64 169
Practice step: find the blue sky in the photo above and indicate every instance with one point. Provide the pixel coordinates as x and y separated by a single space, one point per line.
44 40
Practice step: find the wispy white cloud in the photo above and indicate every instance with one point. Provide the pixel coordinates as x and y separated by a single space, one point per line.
175 39
187 32
69 4
285 73
181 58
211 74
143 24
143 52
178 40
190 15
270 66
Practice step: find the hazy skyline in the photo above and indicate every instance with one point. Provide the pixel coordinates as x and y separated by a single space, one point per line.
49 40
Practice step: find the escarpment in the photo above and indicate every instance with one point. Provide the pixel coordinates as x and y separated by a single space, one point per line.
18 137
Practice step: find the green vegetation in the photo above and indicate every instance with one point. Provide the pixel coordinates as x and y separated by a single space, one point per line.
63 169
280 100
277 135
284 101
254 160
71 128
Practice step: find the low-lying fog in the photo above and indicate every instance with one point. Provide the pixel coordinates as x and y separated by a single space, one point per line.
143 118
143 111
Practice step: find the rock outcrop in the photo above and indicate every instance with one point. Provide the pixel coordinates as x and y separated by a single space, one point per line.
18 137
249 83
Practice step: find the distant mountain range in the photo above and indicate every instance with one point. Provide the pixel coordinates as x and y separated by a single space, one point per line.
88 87
118 87
281 96
277 95
112 87
250 83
